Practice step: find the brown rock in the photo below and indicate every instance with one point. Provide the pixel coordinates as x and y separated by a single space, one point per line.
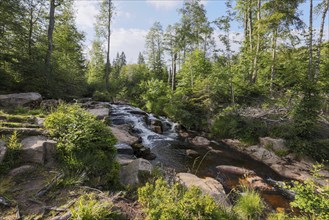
272 143
207 185
31 99
124 136
25 169
234 170
200 141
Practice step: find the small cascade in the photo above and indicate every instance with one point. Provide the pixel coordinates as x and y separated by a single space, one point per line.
138 119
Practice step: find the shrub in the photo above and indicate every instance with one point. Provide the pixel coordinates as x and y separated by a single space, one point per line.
249 205
90 207
84 143
162 201
311 199
102 96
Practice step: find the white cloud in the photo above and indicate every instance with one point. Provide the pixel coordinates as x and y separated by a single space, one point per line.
130 41
164 4
86 12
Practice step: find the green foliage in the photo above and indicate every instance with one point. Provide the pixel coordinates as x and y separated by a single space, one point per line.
311 198
12 157
249 205
155 97
94 207
161 201
102 96
84 144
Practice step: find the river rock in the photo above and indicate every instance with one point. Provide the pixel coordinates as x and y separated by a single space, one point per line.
200 141
124 136
234 170
125 159
272 143
262 154
39 121
156 129
3 150
30 99
123 148
136 173
257 183
192 153
207 185
37 149
25 169
100 113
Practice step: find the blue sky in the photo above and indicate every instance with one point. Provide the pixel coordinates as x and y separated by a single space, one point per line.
134 18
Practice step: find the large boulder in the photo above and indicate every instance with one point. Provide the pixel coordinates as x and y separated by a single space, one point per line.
273 143
125 159
123 148
136 173
38 149
200 141
124 136
207 185
25 169
100 113
3 150
261 154
31 99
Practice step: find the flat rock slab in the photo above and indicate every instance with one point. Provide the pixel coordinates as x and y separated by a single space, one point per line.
3 150
124 136
136 173
100 113
207 185
30 99
276 144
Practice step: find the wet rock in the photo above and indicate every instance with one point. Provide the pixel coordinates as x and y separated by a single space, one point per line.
272 143
156 129
138 112
136 173
3 150
38 149
25 169
257 183
100 113
234 170
200 141
123 148
192 153
124 136
31 99
125 159
207 185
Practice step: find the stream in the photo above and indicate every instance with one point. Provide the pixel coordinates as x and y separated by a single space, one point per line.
170 150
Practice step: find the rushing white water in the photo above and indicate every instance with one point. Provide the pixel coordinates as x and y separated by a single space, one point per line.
138 119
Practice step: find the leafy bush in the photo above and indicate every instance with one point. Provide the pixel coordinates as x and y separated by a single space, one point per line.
161 201
249 205
84 143
90 207
310 198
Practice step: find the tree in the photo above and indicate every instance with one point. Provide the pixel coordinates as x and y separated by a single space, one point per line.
51 27
172 47
103 29
154 49
140 59
96 66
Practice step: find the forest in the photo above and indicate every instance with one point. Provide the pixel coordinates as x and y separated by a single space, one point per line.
282 64
270 80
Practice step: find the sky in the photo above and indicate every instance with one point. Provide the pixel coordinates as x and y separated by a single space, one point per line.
134 18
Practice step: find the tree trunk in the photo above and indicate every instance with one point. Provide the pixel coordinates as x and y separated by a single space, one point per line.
108 65
30 32
173 78
274 44
255 72
310 46
318 56
250 27
50 39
